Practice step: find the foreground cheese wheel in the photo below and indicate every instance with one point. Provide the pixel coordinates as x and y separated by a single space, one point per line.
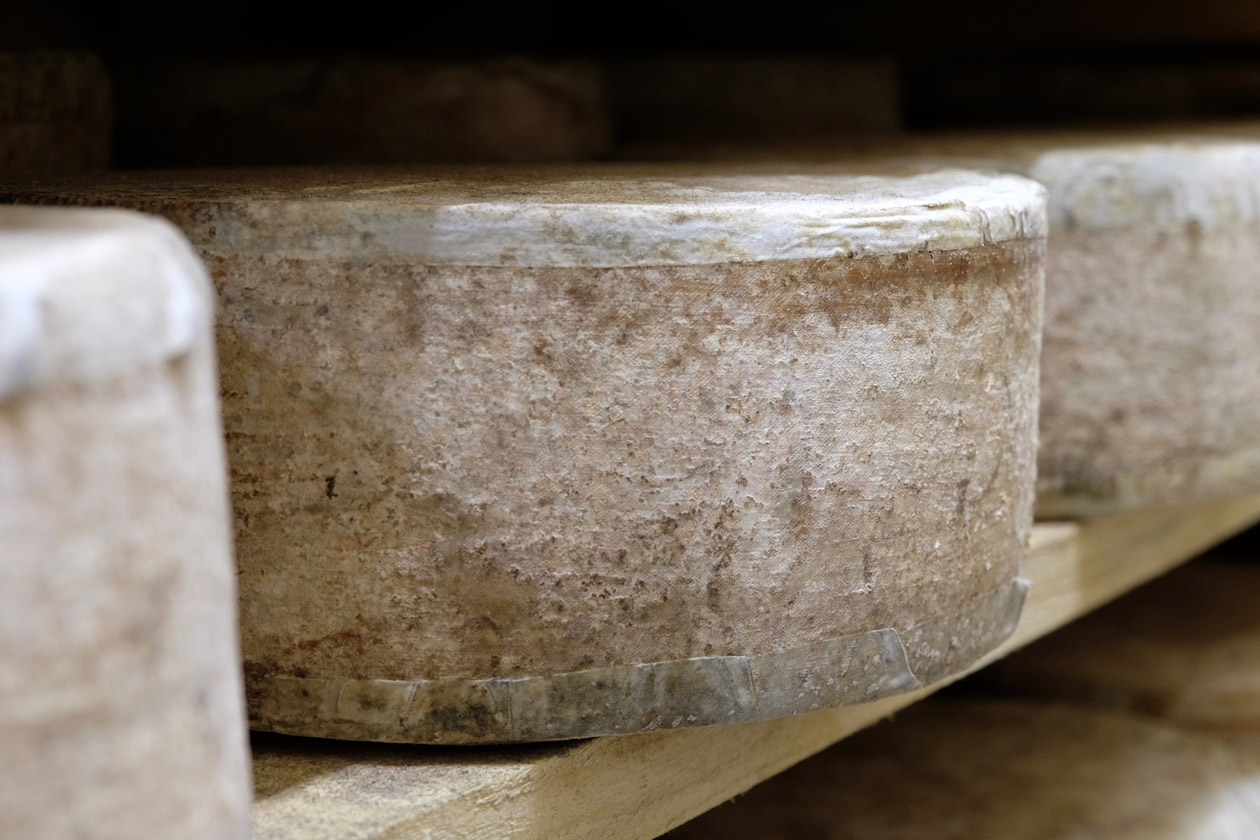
120 690
523 457
55 114
984 770
1186 647
361 111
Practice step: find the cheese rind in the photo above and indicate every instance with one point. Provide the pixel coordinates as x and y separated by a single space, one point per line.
120 687
524 498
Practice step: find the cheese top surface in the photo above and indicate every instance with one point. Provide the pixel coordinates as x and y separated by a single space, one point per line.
577 216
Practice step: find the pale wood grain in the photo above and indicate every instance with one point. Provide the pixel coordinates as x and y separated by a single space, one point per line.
640 786
1185 647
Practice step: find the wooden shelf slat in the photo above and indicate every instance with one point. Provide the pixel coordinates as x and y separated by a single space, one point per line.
637 787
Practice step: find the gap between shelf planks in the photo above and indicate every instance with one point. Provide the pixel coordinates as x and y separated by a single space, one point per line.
637 787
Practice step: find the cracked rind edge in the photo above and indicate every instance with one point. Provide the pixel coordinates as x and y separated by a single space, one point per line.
624 699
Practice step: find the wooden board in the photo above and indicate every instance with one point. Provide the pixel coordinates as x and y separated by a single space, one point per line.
969 768
1185 647
638 787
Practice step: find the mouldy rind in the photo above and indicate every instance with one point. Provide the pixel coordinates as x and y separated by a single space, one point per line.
652 427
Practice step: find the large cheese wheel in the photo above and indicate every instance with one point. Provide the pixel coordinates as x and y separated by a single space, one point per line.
984 770
120 688
1186 646
529 456
224 112
55 113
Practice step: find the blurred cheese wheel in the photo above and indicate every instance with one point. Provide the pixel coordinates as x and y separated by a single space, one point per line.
120 688
522 456
1150 382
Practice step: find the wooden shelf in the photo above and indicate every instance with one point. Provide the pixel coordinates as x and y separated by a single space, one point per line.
637 787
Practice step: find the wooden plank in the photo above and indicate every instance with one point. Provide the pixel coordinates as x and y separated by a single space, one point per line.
970 767
638 787
1185 647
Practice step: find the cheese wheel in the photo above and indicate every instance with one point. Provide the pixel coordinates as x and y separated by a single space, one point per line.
985 770
361 111
523 456
1149 380
120 683
55 114
1186 647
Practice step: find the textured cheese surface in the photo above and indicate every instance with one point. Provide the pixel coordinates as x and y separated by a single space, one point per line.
761 463
598 217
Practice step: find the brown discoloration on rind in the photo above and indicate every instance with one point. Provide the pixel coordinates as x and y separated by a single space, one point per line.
534 514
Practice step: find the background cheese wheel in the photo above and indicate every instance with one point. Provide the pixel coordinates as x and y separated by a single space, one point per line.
546 455
360 111
1150 388
985 770
55 113
120 688
1186 647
